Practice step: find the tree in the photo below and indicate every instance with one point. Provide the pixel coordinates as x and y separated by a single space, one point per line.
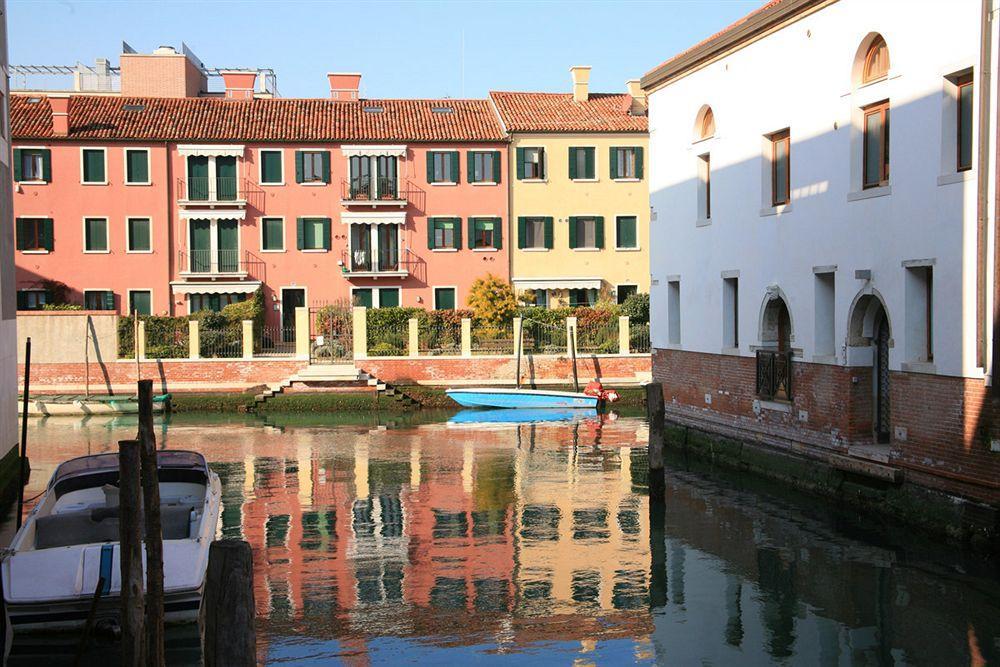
492 300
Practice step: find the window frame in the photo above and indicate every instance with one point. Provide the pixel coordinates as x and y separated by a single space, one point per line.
542 164
453 288
40 150
576 220
618 245
263 234
882 109
128 234
83 161
620 151
597 168
128 299
455 232
704 211
486 155
476 219
540 220
107 235
39 248
36 290
149 170
376 298
873 49
447 169
260 166
308 156
776 139
102 291
962 82
322 220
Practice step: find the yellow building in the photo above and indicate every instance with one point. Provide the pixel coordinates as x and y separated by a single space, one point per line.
579 206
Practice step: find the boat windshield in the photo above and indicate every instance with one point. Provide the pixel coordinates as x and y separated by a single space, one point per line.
86 465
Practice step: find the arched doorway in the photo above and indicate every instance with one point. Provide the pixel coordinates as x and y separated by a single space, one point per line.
776 325
869 327
774 358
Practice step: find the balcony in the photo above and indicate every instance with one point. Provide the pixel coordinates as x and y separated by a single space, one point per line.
231 264
383 263
370 191
196 191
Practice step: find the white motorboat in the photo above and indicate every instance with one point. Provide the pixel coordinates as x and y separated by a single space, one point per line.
69 542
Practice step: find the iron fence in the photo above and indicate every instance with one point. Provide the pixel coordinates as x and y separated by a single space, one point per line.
492 338
203 188
439 338
225 342
638 338
774 375
390 339
543 338
274 341
597 336
331 333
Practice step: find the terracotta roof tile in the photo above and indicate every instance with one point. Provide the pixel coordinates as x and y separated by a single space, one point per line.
558 112
213 119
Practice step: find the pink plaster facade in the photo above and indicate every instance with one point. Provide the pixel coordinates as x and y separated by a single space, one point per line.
165 268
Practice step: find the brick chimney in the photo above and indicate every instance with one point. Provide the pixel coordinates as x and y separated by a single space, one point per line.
59 102
638 96
581 82
344 85
239 84
162 73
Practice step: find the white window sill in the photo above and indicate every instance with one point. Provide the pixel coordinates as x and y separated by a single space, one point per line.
628 249
315 250
626 180
824 359
702 222
444 249
273 185
534 180
273 250
444 184
32 182
957 177
584 180
96 252
870 193
35 252
918 367
485 250
141 184
781 209
534 249
776 406
93 182
313 184
674 346
586 249
483 183
731 351
139 252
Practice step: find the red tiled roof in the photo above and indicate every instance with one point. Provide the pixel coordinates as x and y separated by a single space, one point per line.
558 112
214 119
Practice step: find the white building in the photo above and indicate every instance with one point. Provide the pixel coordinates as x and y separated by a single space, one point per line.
795 225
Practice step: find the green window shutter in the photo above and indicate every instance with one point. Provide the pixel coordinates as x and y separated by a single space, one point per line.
48 242
444 298
109 300
270 166
454 167
626 232
522 231
93 166
47 165
430 233
472 233
326 230
388 297
17 168
520 164
325 159
572 162
300 232
548 233
22 300
613 162
430 166
497 233
299 170
136 166
458 233
572 231
638 161
470 167
496 167
599 231
589 160
19 229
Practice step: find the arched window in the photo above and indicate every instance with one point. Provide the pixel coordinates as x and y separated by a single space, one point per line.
876 65
706 124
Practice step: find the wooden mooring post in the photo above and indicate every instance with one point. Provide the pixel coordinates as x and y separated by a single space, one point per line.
655 415
228 635
130 541
154 528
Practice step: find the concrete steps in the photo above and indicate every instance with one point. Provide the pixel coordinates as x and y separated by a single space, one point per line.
340 373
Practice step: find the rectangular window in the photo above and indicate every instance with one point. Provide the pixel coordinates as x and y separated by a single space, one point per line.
531 164
674 312
579 298
586 232
626 162
270 167
93 165
95 234
32 162
964 84
623 292
825 314
876 145
705 187
140 237
444 298
780 168
363 297
388 297
213 302
445 233
484 167
625 232
312 167
535 233
484 233
314 233
31 299
34 234
94 299
730 313
920 313
272 234
582 163
140 302
136 166
442 167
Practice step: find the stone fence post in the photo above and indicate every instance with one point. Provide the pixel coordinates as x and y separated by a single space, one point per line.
466 337
248 339
518 339
194 339
359 323
623 334
302 333
414 337
571 332
140 343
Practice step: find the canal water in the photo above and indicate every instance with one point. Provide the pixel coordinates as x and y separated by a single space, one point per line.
420 540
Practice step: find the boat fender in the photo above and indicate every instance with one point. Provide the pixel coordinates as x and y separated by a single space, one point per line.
595 388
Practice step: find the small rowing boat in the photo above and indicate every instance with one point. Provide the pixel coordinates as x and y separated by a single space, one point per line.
54 405
69 543
490 397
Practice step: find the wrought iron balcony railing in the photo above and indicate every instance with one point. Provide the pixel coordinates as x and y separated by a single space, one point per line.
372 190
204 189
223 263
774 375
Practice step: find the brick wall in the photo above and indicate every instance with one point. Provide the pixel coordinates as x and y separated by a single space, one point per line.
940 424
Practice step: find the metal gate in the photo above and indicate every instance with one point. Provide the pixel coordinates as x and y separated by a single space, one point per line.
331 330
882 381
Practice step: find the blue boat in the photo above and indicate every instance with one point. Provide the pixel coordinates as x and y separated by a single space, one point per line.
489 397
522 415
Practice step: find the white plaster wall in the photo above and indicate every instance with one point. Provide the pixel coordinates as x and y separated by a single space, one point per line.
801 77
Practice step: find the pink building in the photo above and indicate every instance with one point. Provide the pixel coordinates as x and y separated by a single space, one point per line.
176 202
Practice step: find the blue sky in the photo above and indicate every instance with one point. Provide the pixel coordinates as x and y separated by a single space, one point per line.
403 49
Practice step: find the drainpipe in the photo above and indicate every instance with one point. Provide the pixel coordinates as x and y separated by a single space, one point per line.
170 225
982 191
